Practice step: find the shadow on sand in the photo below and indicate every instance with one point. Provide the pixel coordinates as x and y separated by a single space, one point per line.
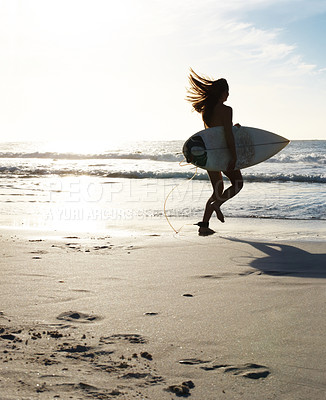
285 260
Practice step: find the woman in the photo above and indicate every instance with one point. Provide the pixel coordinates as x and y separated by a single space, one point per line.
207 98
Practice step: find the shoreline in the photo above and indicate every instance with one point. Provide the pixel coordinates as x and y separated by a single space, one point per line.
246 228
135 312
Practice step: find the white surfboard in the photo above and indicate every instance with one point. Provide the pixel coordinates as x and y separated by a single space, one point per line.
208 149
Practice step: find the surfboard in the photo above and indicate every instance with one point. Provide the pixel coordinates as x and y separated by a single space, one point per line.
208 149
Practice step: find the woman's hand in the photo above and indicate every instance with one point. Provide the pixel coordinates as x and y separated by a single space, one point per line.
231 164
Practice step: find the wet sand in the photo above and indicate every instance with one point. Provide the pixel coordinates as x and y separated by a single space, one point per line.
146 314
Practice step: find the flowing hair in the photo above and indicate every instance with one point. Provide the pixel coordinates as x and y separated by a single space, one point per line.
205 93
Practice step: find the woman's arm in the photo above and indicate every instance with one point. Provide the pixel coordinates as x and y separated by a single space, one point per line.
227 119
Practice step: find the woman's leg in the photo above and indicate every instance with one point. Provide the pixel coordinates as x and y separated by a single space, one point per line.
218 186
220 196
236 180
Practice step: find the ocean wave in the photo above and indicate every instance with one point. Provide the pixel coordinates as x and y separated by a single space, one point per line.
283 177
26 172
312 158
168 157
307 158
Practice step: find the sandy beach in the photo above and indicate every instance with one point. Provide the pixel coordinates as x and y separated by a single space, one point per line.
146 314
124 124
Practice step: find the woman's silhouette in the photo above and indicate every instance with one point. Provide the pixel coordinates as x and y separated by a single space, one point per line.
207 98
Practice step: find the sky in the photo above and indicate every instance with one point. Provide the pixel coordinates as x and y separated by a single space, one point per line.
107 70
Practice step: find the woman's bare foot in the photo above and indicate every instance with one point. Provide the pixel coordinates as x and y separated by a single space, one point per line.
218 211
205 231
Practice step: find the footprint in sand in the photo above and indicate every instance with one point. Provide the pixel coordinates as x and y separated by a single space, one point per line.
131 338
182 390
39 252
80 355
73 246
102 247
75 349
192 361
75 316
90 391
249 370
227 275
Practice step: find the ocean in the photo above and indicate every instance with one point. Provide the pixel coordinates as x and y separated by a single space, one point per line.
65 184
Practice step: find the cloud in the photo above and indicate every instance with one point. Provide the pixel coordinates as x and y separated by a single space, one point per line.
235 39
